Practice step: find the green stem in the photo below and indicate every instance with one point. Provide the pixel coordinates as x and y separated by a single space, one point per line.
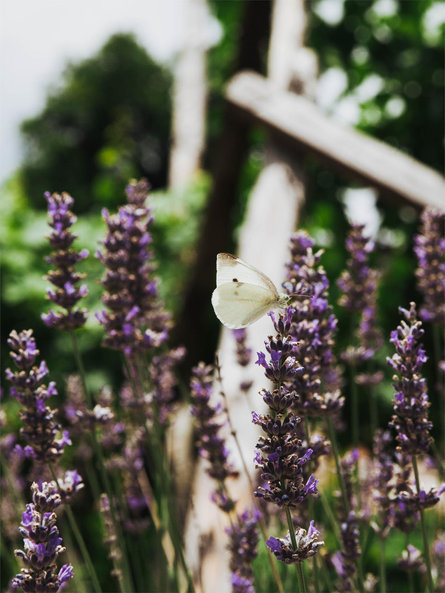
330 515
311 502
99 457
326 573
293 539
9 558
426 548
81 369
373 409
300 577
354 407
382 566
438 354
79 538
341 481
164 498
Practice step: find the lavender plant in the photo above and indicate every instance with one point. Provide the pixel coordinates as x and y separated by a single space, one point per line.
41 431
279 456
346 560
134 320
242 532
410 418
64 259
429 247
300 361
42 544
358 285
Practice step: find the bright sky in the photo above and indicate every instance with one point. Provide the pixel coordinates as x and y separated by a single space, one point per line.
37 37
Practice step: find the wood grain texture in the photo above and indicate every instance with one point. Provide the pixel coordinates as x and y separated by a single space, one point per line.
297 120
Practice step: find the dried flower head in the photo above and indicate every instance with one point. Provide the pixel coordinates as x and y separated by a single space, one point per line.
308 543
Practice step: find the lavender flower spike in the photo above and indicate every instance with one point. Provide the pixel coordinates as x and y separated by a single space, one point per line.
243 542
211 444
313 327
411 404
42 544
279 449
358 284
64 258
135 319
429 247
40 428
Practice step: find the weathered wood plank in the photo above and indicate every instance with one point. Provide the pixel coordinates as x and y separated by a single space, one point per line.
300 121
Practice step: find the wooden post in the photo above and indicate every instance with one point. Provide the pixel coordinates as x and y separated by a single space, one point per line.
189 98
299 124
270 219
193 327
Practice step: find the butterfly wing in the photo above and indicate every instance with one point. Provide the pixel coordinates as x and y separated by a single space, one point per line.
232 269
238 304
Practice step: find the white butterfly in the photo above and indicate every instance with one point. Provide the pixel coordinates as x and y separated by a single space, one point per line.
243 294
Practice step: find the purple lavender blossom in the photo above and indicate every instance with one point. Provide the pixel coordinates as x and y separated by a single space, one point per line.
78 415
40 428
429 247
308 543
162 397
243 354
135 320
111 539
438 554
70 485
345 560
211 445
64 277
313 327
383 473
358 280
410 419
277 456
411 560
358 284
243 541
42 544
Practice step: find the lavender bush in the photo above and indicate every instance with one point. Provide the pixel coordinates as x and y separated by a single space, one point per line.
329 510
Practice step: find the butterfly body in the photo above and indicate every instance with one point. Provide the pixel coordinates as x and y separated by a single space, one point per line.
243 294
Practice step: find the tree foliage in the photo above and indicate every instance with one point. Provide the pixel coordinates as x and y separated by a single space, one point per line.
108 121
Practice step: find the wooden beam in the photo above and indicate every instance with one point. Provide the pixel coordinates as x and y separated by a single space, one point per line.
296 119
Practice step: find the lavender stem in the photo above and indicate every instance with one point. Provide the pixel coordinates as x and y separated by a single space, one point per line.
311 501
81 369
79 538
426 548
437 358
337 464
301 585
382 566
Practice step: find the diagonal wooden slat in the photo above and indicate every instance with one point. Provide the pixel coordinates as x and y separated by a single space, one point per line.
297 120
